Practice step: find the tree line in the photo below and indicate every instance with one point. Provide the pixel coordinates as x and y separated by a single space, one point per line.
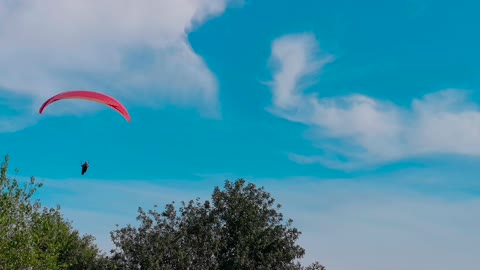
241 227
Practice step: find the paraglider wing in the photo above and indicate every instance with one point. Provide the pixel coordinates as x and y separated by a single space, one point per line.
89 95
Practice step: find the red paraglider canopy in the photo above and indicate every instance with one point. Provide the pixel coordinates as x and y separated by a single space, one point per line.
89 95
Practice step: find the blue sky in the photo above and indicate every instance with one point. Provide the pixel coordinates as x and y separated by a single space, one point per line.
361 118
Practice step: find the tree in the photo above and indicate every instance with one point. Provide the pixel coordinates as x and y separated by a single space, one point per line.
241 228
32 237
315 266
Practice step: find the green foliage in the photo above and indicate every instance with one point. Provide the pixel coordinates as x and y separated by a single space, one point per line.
241 228
38 238
315 266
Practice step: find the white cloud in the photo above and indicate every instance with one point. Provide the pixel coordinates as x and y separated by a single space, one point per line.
405 232
369 223
365 130
137 50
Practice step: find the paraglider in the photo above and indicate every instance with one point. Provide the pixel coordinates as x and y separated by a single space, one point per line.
92 96
89 95
85 167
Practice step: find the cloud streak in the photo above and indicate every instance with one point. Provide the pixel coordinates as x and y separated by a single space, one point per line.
137 50
356 130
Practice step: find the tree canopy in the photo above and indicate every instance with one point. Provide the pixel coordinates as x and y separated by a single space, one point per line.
240 228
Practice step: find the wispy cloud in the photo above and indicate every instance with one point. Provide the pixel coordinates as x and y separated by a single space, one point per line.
357 130
385 221
137 50
360 223
358 227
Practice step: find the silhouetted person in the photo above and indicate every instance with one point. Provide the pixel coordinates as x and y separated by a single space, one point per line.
85 167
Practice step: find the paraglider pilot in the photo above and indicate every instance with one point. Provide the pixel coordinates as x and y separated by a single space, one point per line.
85 167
